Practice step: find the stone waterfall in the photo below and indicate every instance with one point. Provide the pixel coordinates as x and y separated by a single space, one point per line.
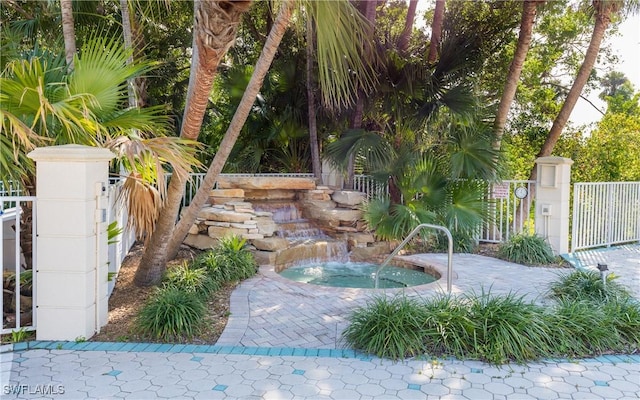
287 221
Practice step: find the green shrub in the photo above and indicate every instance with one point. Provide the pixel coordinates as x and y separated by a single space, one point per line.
526 249
588 285
624 315
229 261
171 314
388 327
448 327
193 280
508 328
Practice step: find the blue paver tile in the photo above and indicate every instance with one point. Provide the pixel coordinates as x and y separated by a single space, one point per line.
201 348
128 346
299 352
413 386
220 388
324 353
249 351
141 347
262 351
274 351
196 359
114 372
213 349
39 345
190 348
601 383
349 354
68 345
476 370
164 348
225 349
311 352
20 359
177 348
103 346
236 350
287 351
153 347
115 346
20 346
80 345
298 372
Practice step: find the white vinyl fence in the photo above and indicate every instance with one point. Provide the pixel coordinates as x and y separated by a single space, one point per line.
18 302
604 214
120 244
511 205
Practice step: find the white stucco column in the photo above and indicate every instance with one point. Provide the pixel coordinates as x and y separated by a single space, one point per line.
71 271
553 190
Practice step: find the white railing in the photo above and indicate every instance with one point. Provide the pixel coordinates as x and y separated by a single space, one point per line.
121 244
372 188
605 213
17 314
509 215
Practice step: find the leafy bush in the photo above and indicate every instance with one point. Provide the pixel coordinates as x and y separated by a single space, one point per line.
448 327
170 314
587 285
526 249
192 280
388 327
229 261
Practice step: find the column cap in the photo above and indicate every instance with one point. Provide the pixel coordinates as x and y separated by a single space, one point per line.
71 153
554 160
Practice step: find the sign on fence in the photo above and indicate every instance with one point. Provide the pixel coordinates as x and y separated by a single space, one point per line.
500 191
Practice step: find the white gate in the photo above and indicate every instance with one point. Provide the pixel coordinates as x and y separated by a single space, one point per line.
18 255
511 205
605 213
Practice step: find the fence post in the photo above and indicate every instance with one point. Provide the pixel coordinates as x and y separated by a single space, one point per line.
71 188
553 190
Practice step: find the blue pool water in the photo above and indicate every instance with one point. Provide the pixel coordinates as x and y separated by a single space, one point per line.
356 275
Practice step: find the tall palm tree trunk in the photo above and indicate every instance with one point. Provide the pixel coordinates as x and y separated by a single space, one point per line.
68 31
311 105
405 36
515 69
239 118
127 35
436 31
604 9
215 27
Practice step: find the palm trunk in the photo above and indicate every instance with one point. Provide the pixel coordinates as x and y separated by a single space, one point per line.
68 31
311 105
602 22
510 87
436 31
239 118
356 122
128 45
405 36
215 25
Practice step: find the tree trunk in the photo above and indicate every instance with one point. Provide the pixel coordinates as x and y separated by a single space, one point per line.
68 31
436 31
311 105
356 122
510 87
603 17
239 118
128 45
215 26
405 36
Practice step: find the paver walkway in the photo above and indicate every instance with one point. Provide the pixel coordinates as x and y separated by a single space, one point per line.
283 342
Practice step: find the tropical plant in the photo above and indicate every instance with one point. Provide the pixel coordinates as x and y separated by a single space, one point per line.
191 280
171 314
583 285
526 249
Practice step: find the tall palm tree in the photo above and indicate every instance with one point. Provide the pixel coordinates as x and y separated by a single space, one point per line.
511 85
436 31
311 103
604 10
405 36
68 31
338 57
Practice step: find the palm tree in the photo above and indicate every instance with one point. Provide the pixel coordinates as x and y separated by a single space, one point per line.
604 11
511 85
338 58
436 31
405 36
68 31
311 104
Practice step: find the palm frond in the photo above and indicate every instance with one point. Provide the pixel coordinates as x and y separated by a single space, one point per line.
373 148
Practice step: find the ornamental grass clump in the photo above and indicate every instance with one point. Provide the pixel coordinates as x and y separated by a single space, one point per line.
526 249
192 280
587 285
171 314
229 261
388 327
